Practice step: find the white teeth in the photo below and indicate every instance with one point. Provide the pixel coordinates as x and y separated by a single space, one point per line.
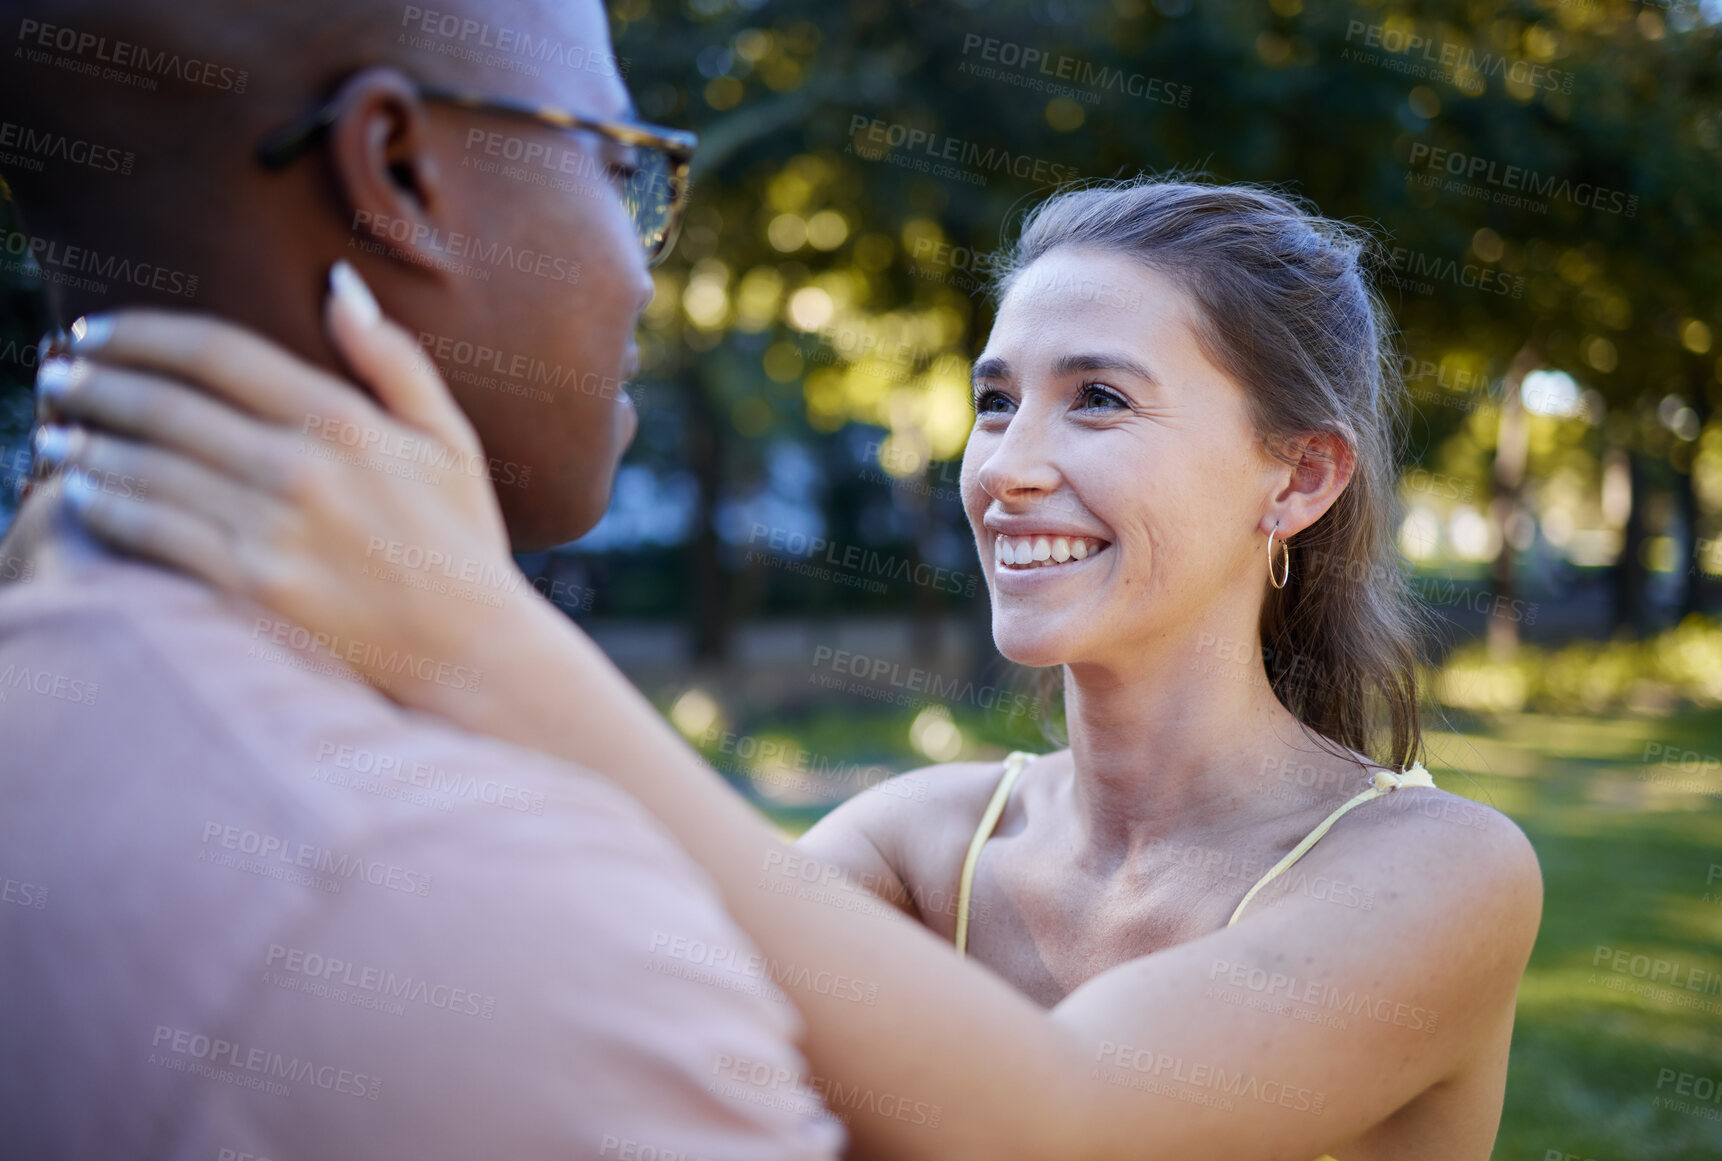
1042 551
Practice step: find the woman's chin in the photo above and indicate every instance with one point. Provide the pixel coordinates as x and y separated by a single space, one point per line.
1032 648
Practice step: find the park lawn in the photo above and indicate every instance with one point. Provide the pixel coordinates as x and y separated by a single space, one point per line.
1627 865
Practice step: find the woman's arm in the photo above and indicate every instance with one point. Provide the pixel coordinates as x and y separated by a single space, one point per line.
1278 1037
1142 1061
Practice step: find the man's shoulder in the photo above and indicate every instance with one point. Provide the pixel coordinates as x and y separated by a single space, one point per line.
156 654
155 683
314 893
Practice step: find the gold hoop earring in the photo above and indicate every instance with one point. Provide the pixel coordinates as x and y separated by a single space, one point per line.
1286 572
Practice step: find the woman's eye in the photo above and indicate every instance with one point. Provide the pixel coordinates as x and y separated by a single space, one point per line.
1093 395
994 402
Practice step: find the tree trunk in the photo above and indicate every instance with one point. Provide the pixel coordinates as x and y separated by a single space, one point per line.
924 603
1630 575
1692 593
1512 447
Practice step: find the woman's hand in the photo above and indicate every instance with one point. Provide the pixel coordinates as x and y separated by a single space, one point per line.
375 527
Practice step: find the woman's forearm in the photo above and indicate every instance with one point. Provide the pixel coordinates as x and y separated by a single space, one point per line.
922 1055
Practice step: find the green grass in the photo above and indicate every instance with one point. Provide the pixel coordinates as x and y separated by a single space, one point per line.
1625 865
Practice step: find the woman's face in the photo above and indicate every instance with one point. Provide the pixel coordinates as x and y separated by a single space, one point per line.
1104 435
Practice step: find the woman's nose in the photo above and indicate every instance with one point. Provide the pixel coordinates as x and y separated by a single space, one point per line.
1021 463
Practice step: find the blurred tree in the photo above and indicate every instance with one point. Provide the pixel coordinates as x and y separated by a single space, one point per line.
1538 172
1541 174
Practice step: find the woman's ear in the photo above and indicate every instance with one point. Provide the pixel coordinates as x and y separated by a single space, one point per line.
385 166
1324 464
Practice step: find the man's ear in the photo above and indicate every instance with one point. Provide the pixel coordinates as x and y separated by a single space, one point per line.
380 148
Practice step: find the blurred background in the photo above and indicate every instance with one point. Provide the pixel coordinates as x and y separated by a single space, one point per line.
786 569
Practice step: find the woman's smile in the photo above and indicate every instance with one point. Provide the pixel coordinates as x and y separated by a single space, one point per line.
1044 550
1024 564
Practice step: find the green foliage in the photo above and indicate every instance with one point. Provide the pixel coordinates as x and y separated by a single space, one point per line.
1567 153
1680 665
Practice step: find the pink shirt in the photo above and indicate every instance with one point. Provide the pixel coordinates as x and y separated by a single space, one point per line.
251 910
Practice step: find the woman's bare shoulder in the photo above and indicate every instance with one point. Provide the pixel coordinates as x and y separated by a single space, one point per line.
1451 827
918 820
923 801
1448 858
1425 853
1447 827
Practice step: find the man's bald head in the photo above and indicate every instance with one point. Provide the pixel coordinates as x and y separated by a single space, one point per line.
129 131
187 87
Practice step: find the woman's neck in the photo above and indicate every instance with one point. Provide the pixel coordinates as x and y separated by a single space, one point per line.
1166 746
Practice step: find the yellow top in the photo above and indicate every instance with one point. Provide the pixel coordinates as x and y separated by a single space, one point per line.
1384 782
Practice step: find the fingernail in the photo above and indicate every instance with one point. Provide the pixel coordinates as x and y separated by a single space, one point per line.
79 490
52 444
55 378
90 332
352 293
53 343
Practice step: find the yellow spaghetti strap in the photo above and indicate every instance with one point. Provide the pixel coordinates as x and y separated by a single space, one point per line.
1014 764
1386 781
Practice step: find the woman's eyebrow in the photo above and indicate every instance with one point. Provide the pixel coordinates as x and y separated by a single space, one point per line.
1071 364
990 369
998 369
